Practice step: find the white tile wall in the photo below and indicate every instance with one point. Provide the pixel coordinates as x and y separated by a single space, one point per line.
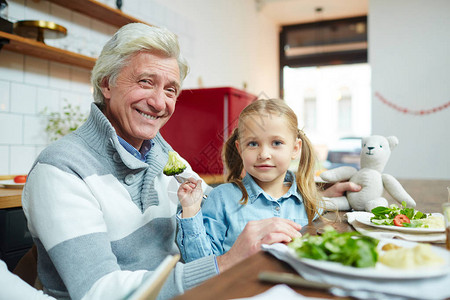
11 129
37 10
34 130
80 80
28 85
133 8
4 158
4 96
21 159
11 66
23 98
76 99
60 15
47 98
59 76
36 71
79 33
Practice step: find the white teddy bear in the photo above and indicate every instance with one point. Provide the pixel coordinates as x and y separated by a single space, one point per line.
375 153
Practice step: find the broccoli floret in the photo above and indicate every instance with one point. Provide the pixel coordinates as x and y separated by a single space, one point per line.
174 165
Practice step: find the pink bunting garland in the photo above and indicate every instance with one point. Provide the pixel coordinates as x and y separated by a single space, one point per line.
410 111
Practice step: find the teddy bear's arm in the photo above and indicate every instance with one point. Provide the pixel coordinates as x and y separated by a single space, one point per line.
395 189
338 174
336 203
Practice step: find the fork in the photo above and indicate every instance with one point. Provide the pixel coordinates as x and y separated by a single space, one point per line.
181 180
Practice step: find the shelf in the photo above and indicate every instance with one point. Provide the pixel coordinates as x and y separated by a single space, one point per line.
91 8
41 50
99 11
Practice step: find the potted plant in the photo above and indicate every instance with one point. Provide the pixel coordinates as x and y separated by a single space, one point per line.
63 122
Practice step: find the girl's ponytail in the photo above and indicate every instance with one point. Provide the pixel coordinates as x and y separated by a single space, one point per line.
305 177
233 164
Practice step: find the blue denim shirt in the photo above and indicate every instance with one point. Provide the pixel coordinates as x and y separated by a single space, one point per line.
215 228
141 155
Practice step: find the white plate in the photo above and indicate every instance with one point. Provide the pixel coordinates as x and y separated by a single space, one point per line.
10 184
365 219
381 271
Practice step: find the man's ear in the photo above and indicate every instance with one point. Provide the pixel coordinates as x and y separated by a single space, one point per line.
297 149
104 86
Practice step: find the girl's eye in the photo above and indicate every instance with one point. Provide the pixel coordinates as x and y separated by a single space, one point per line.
277 143
252 144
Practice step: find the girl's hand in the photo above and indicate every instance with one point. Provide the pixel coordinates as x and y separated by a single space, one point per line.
256 233
190 194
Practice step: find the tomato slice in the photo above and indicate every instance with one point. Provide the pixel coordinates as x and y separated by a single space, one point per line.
20 179
400 219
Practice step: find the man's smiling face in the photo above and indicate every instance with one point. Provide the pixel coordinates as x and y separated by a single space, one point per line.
143 97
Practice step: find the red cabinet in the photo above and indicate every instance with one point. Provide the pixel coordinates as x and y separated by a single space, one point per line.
202 122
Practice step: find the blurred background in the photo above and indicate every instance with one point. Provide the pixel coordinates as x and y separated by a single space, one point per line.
348 68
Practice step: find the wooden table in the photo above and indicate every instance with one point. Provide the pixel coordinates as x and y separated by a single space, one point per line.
242 279
10 198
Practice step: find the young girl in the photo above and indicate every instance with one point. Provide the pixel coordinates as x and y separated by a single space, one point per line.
265 142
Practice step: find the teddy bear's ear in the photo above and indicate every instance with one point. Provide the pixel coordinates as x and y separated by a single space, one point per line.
393 141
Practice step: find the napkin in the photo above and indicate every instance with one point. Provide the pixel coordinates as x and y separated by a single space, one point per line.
379 233
432 288
279 291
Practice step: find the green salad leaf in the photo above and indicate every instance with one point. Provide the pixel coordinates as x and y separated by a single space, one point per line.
348 248
385 215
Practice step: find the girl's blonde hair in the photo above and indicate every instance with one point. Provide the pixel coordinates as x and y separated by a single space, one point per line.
305 172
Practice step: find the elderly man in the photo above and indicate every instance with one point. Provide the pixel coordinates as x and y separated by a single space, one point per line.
100 209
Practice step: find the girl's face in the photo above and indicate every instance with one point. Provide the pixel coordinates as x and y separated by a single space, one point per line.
267 146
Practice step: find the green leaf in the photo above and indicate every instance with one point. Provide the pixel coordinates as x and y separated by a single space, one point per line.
385 215
419 215
348 248
61 123
381 210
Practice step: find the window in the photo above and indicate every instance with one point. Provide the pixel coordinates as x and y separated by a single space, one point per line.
331 102
310 113
331 42
345 111
325 79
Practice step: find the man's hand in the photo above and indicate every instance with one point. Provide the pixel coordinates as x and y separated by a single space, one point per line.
256 233
190 194
339 188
